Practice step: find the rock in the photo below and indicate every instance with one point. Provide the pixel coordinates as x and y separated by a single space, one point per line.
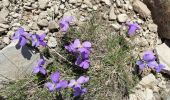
148 94
16 63
62 6
3 14
5 3
163 52
88 3
107 2
153 27
112 15
56 9
122 18
160 8
116 26
132 97
4 26
52 42
43 4
2 30
53 25
75 1
42 22
148 81
33 26
141 8
6 40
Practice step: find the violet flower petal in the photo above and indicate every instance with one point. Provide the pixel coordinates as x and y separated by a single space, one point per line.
149 56
50 86
55 77
82 79
86 44
23 41
152 64
62 84
72 83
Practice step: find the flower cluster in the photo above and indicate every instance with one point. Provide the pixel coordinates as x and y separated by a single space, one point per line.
57 84
82 52
149 60
25 38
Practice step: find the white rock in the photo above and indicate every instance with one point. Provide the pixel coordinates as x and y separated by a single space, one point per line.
116 26
122 18
107 2
6 40
2 30
43 3
148 94
16 63
163 52
112 15
4 26
62 6
141 8
52 42
75 1
88 3
42 22
132 97
5 3
53 25
148 81
3 14
153 27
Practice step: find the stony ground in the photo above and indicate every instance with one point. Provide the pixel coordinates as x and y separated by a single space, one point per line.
103 22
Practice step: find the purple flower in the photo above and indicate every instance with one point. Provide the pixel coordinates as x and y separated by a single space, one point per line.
62 84
159 68
152 64
149 56
64 23
76 45
39 67
83 63
55 77
56 83
38 40
22 36
78 82
50 86
132 28
79 91
148 59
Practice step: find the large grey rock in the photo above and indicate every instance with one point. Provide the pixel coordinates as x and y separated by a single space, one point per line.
16 63
163 52
141 8
161 15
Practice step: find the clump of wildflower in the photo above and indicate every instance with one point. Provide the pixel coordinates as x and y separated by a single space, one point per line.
22 36
25 38
77 85
82 51
65 22
149 61
132 28
39 67
56 83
